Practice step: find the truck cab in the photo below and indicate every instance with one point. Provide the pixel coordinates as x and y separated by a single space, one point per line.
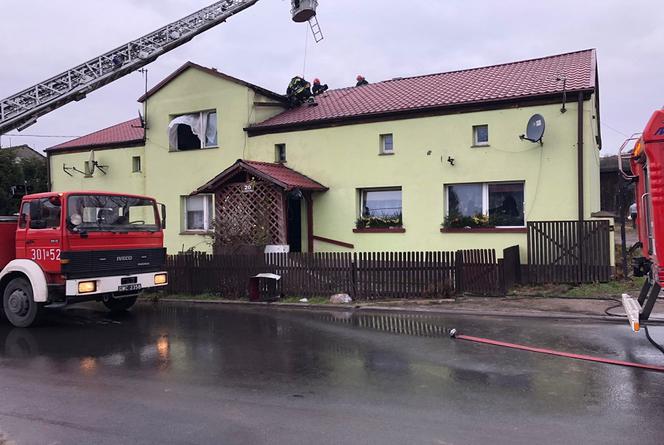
66 248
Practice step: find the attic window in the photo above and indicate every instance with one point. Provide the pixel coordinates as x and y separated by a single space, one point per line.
193 131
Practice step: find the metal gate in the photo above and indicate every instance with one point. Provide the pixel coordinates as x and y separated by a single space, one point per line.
569 252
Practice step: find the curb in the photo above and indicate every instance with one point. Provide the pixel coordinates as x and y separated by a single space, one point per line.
403 310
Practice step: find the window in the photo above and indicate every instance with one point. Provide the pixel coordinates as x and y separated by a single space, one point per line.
111 213
381 203
136 164
23 217
502 203
193 131
198 211
280 153
386 144
480 135
48 212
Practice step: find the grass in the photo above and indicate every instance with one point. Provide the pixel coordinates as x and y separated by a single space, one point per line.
611 289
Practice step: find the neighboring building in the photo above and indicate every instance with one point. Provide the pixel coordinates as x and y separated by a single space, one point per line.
610 180
377 167
25 152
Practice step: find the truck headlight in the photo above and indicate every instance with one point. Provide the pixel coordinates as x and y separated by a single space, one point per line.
86 287
161 278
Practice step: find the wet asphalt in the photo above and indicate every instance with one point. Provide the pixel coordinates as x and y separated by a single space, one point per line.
210 374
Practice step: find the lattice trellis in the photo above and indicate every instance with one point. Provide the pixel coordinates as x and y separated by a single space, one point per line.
254 217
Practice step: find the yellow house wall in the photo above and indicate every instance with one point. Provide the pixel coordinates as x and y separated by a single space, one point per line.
119 177
346 159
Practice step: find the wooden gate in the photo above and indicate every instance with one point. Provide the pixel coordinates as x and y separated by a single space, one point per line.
569 252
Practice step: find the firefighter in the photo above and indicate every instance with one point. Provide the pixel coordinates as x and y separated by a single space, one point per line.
298 92
318 88
361 81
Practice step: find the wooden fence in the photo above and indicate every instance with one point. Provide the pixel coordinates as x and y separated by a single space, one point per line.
365 276
569 252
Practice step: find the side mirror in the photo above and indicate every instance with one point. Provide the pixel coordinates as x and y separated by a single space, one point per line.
35 210
163 216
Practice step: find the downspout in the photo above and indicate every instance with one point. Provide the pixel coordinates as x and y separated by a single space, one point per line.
48 172
579 153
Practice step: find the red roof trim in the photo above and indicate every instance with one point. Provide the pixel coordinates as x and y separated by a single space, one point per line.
213 72
278 174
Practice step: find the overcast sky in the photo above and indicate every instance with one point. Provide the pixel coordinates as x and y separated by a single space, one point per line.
381 39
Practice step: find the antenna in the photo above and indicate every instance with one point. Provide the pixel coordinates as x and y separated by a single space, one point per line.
535 129
563 79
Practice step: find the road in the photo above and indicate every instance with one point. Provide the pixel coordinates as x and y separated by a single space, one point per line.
176 374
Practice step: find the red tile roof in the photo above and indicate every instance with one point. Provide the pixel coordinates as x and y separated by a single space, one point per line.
127 133
524 79
278 174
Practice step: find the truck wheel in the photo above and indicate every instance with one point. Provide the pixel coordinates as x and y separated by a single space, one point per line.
120 304
20 307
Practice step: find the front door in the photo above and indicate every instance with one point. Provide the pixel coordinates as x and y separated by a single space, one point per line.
43 235
295 224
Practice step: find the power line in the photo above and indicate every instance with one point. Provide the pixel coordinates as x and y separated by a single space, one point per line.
37 136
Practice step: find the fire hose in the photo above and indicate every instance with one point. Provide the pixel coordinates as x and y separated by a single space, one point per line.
454 334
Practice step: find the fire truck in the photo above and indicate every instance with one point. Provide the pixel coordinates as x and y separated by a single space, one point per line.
647 172
66 248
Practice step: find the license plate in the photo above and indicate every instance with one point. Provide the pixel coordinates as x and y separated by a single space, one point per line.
129 287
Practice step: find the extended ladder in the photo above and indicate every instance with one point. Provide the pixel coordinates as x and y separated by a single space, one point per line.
315 29
22 110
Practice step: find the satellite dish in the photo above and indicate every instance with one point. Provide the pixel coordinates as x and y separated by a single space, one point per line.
90 167
535 129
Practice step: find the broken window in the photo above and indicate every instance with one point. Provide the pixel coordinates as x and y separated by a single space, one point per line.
193 131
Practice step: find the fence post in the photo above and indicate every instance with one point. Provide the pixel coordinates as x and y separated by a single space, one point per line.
502 282
458 271
353 275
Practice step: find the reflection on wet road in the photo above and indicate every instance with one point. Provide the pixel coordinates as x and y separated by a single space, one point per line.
212 374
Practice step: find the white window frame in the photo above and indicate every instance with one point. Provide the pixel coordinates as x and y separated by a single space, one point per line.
476 142
485 198
277 153
134 163
208 213
202 116
362 191
382 139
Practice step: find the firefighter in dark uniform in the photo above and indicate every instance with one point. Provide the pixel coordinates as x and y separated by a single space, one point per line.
361 81
318 88
298 92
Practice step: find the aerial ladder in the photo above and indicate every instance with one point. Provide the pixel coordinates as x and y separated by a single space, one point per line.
647 172
21 110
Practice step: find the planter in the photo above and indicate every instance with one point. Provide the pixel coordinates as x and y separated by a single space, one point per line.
380 230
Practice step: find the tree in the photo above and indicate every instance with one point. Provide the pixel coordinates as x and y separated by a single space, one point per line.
19 173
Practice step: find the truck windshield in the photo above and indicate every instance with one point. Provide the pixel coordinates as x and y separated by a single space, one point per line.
108 213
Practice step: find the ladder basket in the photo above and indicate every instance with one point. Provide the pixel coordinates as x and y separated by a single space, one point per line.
303 10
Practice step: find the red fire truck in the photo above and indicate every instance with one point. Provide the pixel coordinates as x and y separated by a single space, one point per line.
647 165
66 248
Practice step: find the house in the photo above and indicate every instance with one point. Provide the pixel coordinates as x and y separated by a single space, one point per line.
418 163
22 152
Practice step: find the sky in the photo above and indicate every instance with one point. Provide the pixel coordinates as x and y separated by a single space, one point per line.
380 39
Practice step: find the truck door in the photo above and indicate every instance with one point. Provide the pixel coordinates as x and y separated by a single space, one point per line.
22 229
44 236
